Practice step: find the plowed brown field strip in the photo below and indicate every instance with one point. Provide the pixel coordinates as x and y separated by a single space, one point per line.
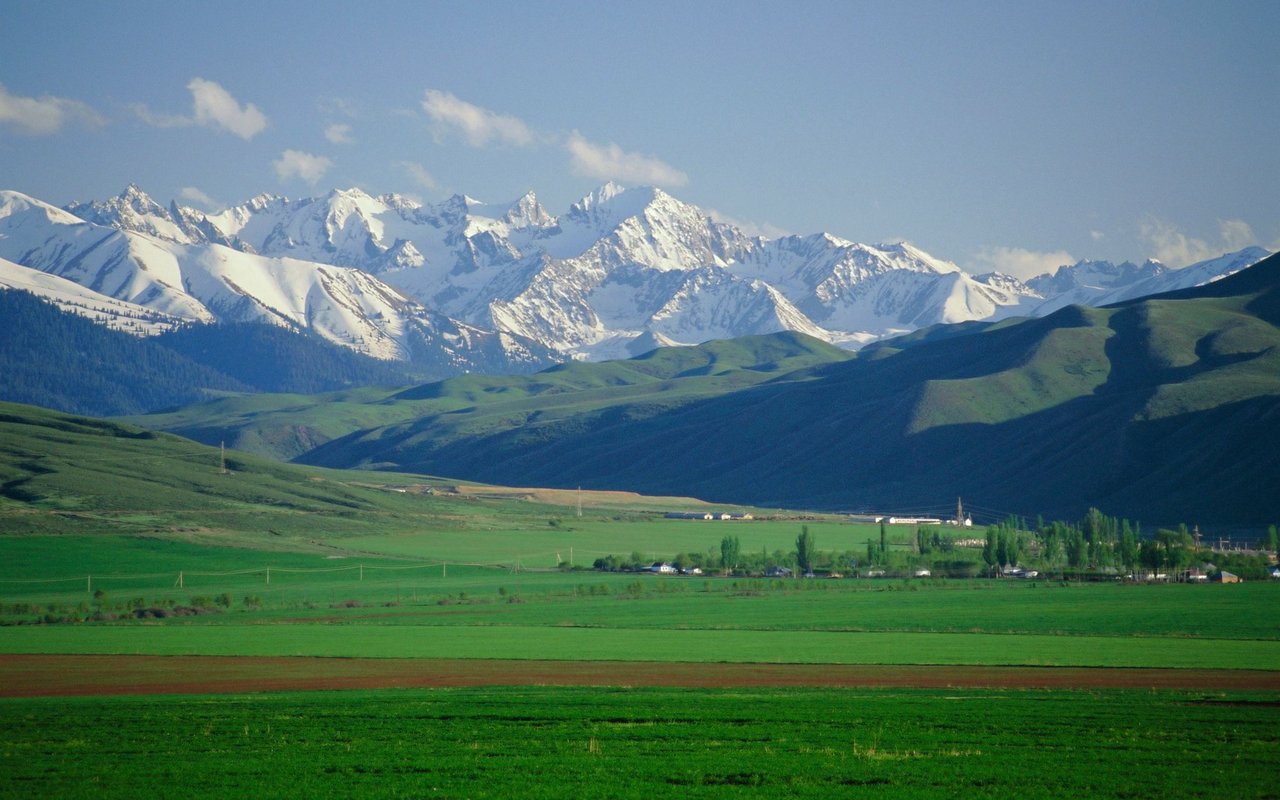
65 675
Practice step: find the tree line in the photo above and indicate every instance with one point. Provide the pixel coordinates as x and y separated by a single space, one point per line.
1097 545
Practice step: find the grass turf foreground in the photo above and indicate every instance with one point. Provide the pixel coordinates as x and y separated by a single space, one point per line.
588 742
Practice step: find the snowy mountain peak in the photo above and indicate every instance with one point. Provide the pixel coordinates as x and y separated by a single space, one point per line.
133 210
527 212
16 204
903 253
600 196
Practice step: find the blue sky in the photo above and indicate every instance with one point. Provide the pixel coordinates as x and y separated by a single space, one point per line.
1009 135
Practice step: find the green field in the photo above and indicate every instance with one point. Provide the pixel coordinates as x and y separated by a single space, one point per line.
604 644
565 742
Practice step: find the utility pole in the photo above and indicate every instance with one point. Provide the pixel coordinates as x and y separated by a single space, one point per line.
222 449
579 504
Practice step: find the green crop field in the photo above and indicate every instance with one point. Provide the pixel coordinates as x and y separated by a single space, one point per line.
566 742
674 645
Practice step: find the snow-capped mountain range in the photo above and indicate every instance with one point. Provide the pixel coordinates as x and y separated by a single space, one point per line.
509 286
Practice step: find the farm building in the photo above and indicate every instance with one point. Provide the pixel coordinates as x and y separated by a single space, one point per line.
1228 577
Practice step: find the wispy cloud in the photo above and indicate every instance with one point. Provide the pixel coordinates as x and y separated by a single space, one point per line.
337 107
478 126
481 127
611 162
765 229
43 116
339 133
297 164
194 195
419 174
1019 262
1237 234
1175 248
212 107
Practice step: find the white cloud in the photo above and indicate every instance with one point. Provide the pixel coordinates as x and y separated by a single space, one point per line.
212 107
1019 262
610 162
419 174
478 126
196 196
44 115
1097 236
215 107
766 229
297 164
1173 247
339 133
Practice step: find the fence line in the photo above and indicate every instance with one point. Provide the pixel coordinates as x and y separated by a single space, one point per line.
179 575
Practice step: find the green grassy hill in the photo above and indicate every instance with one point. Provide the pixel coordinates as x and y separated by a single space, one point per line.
541 406
1165 409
